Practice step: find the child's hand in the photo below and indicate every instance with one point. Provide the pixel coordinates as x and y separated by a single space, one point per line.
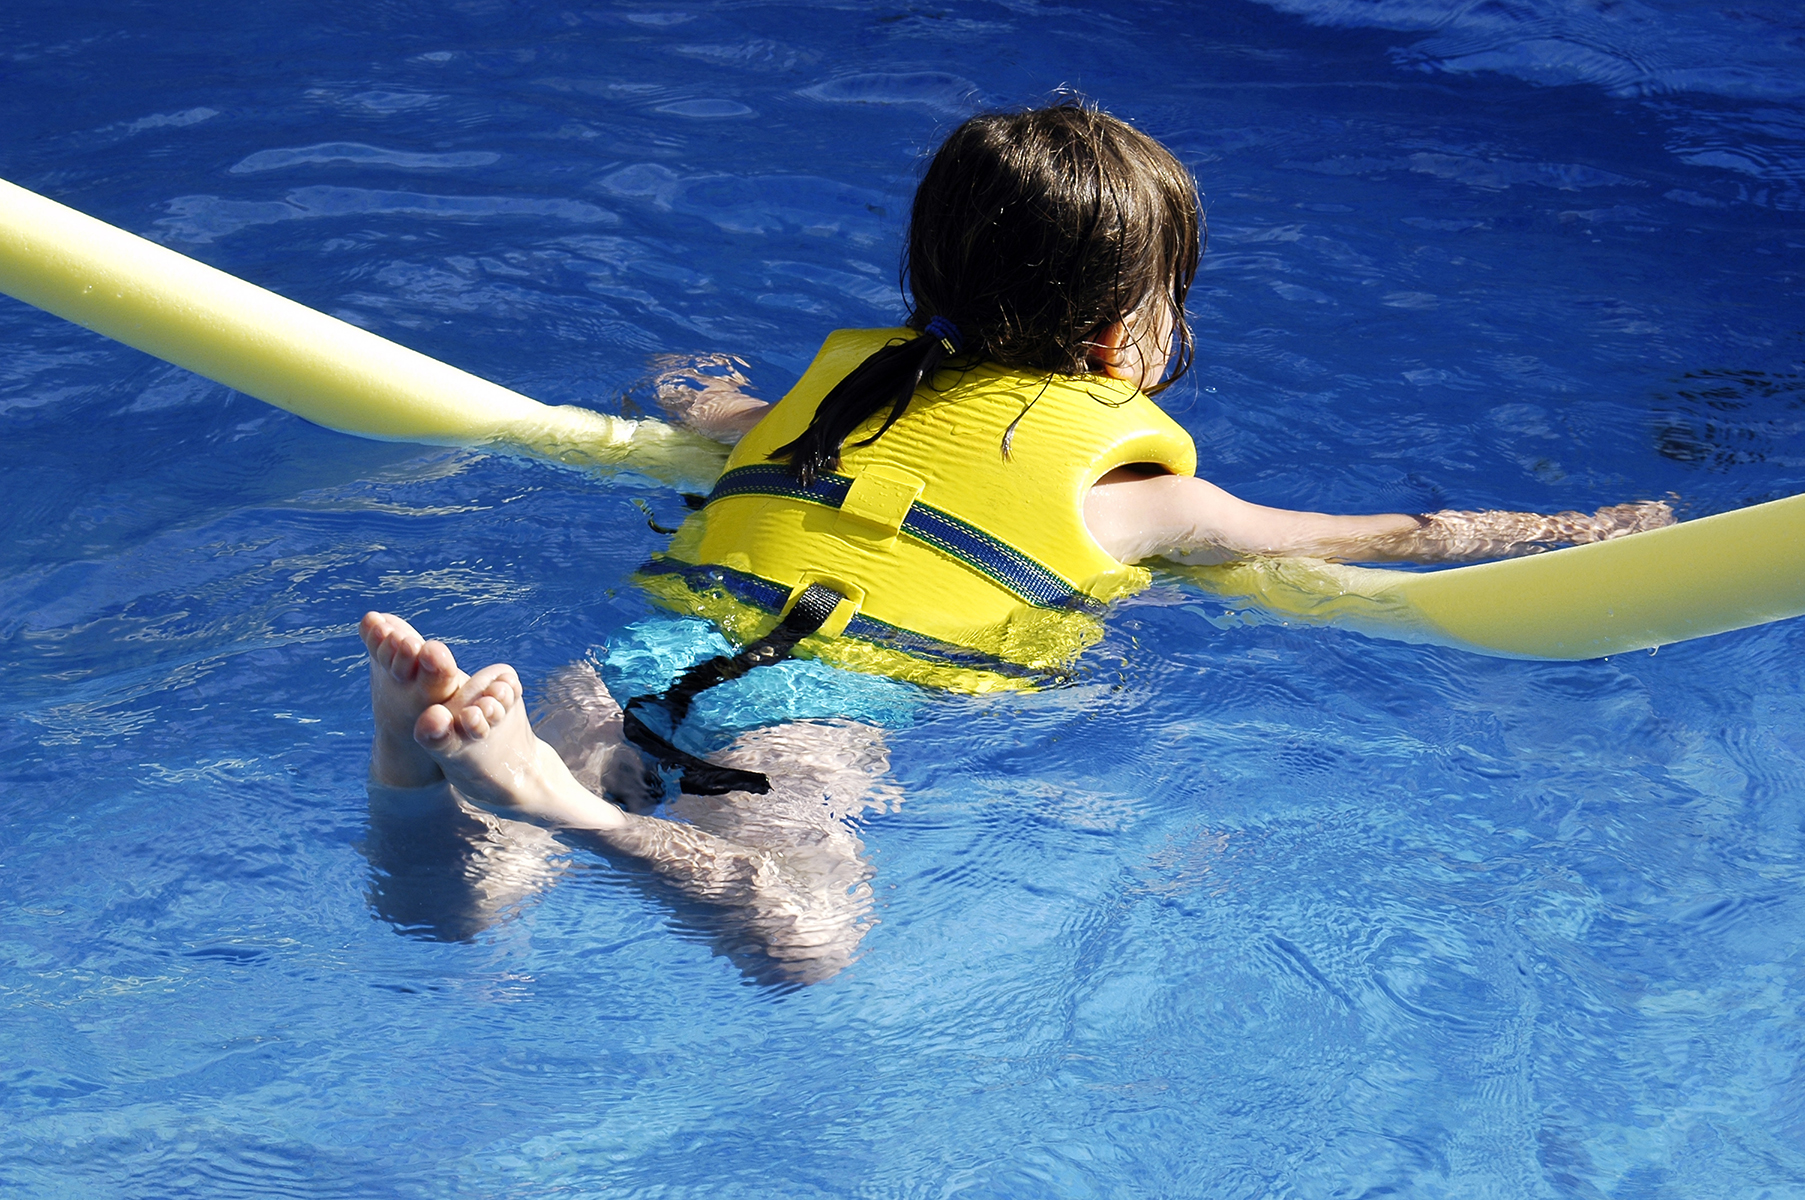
1615 520
706 395
1450 536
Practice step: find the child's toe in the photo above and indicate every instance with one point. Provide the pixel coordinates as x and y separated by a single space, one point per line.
434 725
473 722
436 659
383 654
404 656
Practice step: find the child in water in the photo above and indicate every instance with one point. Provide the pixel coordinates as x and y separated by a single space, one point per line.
971 497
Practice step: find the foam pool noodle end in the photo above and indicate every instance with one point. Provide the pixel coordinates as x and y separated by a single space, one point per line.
313 365
1718 573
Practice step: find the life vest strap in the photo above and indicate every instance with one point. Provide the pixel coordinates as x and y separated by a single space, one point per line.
701 777
1016 571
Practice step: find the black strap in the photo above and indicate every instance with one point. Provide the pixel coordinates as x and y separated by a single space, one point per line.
701 777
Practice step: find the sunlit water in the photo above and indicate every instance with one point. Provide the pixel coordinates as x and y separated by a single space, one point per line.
1245 911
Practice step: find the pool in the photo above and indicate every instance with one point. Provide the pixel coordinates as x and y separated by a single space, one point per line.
1246 910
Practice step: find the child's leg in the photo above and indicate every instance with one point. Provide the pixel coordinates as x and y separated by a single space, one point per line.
795 891
784 866
808 913
813 908
445 871
575 715
442 869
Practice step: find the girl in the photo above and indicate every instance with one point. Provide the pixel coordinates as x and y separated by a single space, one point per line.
954 503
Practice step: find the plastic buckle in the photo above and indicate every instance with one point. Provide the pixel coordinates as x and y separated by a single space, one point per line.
844 611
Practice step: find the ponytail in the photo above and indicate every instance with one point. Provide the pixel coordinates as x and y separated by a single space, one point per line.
889 376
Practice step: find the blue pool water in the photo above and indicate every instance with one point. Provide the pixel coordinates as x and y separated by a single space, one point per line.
1246 911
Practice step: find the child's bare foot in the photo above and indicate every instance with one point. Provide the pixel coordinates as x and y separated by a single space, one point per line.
408 675
481 740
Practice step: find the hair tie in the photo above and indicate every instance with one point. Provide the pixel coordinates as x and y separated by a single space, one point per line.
947 332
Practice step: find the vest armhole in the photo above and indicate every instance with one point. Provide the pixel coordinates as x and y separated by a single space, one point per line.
1154 452
1140 469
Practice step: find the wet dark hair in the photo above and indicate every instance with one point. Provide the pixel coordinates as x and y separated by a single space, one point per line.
1032 232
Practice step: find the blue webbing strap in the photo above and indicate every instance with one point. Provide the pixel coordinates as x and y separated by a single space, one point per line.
770 597
989 556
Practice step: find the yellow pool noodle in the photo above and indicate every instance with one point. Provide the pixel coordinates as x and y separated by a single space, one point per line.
1707 576
313 365
1720 573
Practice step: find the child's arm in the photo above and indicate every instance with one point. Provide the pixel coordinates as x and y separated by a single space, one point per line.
1136 517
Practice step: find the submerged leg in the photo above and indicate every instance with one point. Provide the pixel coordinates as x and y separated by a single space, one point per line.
443 870
784 869
576 716
810 909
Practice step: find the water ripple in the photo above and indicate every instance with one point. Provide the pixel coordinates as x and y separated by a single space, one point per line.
200 219
933 90
356 152
1634 48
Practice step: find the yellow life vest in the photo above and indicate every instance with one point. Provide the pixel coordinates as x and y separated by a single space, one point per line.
958 537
